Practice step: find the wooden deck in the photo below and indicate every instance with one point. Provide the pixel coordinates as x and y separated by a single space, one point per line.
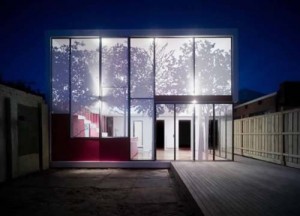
243 187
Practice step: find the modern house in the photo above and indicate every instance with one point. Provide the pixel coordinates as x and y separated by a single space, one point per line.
142 95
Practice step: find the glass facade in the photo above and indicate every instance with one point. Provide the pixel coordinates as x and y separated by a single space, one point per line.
114 87
141 124
165 132
174 66
140 89
141 68
213 66
84 79
60 75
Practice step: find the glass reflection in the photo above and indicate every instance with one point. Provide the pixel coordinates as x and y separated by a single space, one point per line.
213 66
60 75
174 66
85 87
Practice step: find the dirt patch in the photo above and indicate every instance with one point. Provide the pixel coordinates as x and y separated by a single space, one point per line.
104 192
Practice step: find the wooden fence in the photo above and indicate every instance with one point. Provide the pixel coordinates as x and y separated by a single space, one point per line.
272 137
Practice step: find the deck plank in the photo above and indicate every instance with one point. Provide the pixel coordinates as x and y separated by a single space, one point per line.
244 187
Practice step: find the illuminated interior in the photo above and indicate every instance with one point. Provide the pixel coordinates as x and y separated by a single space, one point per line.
113 87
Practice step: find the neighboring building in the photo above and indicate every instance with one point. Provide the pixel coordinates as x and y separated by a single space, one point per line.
142 95
24 137
258 106
287 97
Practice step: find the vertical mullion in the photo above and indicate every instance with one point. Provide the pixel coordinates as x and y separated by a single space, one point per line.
100 87
232 132
194 67
174 107
128 87
154 104
194 91
154 66
70 88
232 67
214 133
154 131
226 137
194 130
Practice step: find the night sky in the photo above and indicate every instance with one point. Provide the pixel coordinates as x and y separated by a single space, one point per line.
269 32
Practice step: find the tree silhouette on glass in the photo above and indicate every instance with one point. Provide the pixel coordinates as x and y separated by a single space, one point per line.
213 73
60 79
114 78
213 69
174 72
84 71
141 73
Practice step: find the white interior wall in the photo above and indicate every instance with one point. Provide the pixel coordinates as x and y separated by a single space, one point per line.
202 137
118 126
147 131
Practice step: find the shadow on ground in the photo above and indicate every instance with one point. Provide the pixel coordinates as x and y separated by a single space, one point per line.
94 192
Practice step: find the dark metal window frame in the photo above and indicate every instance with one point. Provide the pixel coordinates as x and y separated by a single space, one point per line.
157 99
194 127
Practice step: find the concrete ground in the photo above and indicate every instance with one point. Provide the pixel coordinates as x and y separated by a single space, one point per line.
93 192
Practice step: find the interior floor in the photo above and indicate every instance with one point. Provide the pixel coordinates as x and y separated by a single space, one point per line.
168 154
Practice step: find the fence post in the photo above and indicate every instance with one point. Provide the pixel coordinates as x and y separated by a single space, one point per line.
282 140
241 137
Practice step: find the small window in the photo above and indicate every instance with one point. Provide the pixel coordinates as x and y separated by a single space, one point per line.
246 107
259 102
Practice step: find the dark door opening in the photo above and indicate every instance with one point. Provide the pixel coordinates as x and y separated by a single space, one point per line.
160 134
110 126
185 134
211 136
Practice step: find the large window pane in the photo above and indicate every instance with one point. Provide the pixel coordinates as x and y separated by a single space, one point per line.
223 145
174 66
142 76
85 87
165 132
184 131
204 132
114 112
141 127
213 66
60 76
114 62
114 87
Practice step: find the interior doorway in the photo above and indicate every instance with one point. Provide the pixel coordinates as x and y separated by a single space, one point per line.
193 131
213 135
184 134
160 134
